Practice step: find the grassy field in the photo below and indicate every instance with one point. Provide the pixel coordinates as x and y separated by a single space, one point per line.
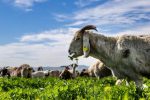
77 89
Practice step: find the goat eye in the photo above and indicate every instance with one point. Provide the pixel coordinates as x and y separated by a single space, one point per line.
78 38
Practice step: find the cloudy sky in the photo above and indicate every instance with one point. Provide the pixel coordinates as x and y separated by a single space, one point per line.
38 32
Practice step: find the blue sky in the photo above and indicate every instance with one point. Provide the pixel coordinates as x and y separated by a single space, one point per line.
38 32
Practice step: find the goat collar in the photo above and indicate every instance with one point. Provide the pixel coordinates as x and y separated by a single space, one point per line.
86 44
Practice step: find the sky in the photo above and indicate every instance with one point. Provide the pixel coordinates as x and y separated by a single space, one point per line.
38 32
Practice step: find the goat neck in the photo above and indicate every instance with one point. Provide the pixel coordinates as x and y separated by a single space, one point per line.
102 47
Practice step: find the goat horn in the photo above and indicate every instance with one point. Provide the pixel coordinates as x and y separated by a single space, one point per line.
88 27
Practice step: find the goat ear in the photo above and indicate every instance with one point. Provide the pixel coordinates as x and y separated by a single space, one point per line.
86 44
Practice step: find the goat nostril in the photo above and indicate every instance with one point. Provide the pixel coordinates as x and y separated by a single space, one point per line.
69 51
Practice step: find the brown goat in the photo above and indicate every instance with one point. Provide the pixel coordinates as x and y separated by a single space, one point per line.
23 71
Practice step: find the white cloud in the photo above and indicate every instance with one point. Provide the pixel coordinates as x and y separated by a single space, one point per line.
25 4
33 54
60 17
58 36
115 12
140 30
83 3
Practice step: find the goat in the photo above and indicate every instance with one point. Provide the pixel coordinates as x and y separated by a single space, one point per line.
127 56
4 72
38 74
54 73
84 73
98 70
23 71
40 68
67 73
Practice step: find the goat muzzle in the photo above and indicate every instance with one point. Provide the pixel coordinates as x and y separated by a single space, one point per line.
71 56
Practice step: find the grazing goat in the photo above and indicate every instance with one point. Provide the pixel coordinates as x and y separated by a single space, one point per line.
23 71
98 70
38 74
54 73
84 73
4 72
127 56
40 68
67 73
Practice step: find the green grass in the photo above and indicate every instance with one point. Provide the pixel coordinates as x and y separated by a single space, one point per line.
76 89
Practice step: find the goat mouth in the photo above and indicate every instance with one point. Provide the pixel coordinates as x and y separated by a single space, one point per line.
72 56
